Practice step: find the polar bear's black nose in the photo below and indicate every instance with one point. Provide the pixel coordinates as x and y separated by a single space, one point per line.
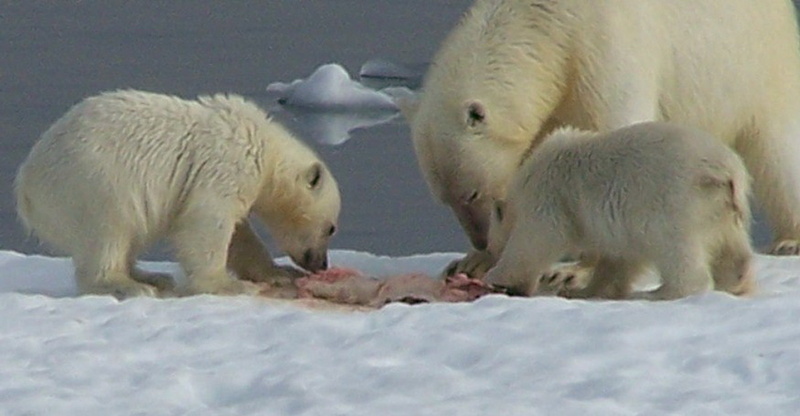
315 261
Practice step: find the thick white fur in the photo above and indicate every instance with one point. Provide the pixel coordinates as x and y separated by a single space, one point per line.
123 169
513 70
651 194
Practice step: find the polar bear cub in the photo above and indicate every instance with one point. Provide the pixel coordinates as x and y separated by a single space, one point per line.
649 195
124 169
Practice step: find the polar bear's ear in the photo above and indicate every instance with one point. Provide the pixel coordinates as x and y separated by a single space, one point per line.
313 176
476 113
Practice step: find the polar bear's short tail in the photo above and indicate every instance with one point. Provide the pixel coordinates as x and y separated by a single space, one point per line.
731 175
739 185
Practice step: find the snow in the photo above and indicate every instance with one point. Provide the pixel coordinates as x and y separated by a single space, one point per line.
711 354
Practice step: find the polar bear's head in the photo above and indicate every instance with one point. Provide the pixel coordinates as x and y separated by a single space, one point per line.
466 159
301 207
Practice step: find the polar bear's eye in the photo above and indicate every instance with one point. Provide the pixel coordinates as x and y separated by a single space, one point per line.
332 230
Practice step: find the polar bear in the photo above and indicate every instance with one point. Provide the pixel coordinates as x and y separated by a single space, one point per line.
124 169
512 70
651 194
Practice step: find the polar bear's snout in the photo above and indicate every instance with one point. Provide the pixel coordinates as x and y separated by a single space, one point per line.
474 219
313 260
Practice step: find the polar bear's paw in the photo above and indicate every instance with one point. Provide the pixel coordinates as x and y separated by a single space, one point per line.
785 248
161 281
279 276
475 265
565 279
225 287
122 289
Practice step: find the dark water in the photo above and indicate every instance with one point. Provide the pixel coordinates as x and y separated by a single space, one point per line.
54 53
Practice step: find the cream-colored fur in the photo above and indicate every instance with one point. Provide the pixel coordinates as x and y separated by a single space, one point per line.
124 169
650 194
513 70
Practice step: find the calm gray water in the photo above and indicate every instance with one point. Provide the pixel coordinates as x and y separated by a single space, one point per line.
54 53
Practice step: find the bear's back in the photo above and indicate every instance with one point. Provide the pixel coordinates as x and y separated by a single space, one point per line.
616 187
651 151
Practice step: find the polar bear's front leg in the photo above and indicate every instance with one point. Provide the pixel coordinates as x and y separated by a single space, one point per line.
201 238
475 265
251 261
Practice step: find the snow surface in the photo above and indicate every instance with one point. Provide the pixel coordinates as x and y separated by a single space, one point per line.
704 355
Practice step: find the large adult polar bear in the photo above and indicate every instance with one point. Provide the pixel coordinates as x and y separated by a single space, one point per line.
123 169
513 70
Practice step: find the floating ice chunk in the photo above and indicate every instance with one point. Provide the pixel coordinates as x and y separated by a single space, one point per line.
378 73
380 68
331 88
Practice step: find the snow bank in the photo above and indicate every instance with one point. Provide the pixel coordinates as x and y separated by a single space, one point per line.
704 355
